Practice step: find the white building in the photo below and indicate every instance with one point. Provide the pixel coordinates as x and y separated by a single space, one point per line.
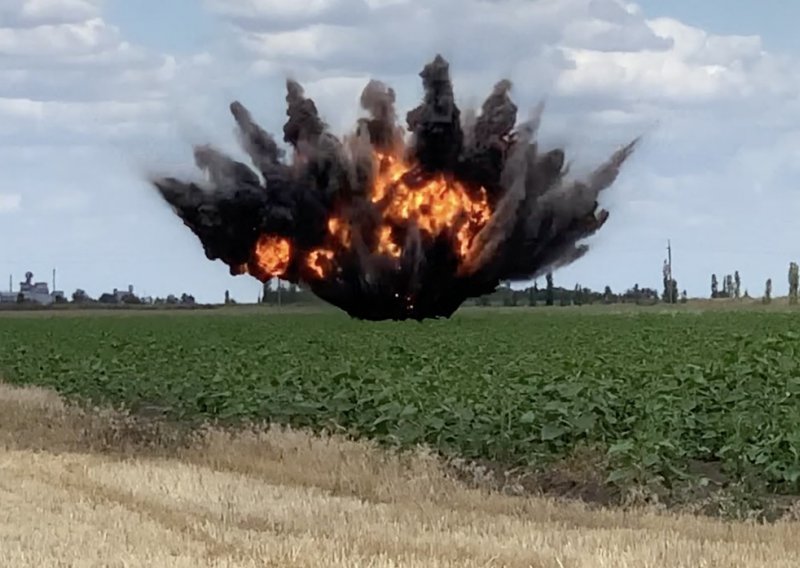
36 292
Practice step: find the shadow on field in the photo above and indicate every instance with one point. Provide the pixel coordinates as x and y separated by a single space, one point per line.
99 488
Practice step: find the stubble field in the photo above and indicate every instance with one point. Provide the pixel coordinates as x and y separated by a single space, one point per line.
101 488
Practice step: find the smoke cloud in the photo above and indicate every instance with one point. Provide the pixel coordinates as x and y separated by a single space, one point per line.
389 226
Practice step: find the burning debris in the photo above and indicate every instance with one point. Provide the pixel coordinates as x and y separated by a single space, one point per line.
389 229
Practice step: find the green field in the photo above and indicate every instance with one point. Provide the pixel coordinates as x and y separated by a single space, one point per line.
652 393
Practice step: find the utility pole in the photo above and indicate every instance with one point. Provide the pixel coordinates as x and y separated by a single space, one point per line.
669 273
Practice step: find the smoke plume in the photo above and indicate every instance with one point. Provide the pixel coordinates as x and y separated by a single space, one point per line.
389 226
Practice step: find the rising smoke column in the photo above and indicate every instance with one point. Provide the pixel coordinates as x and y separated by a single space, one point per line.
386 228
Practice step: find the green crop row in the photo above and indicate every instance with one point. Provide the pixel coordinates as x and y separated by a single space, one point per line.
654 392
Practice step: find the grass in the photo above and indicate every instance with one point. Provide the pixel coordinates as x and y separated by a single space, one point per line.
102 488
678 406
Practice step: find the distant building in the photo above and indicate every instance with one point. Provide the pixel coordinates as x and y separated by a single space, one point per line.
35 292
118 296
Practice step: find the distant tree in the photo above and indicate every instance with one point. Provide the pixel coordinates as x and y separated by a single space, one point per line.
549 293
737 285
227 297
508 295
793 281
714 286
636 293
293 295
768 291
106 298
80 297
746 294
131 300
649 296
684 297
171 300
727 287
608 295
279 291
20 298
577 295
532 295
670 293
187 299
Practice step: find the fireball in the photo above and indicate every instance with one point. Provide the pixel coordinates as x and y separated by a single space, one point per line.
395 223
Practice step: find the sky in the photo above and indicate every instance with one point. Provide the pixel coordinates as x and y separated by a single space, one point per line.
95 95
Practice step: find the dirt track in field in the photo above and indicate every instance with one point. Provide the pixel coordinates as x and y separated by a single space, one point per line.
94 489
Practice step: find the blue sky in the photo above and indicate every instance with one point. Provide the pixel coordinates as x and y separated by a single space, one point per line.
776 26
177 26
94 94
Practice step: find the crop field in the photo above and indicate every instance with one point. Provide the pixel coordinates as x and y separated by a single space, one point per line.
673 402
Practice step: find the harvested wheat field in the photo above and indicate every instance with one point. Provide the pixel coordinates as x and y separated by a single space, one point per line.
99 489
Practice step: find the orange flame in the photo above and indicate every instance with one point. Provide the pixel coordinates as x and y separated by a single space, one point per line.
272 254
340 231
317 261
386 245
436 204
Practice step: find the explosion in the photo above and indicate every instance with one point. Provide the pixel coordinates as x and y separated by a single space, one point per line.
389 228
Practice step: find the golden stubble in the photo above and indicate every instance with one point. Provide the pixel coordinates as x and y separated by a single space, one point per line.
97 488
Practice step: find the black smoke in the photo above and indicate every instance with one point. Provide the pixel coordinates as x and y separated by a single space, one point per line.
538 218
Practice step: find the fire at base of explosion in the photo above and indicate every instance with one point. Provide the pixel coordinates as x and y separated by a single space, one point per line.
389 229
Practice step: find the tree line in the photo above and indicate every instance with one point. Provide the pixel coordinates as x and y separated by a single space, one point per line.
726 286
732 284
276 292
552 295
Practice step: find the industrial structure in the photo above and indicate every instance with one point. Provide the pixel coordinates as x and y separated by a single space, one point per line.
32 292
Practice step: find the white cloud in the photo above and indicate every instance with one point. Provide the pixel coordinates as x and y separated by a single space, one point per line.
113 111
697 67
10 202
569 47
376 31
283 11
68 75
62 40
43 12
